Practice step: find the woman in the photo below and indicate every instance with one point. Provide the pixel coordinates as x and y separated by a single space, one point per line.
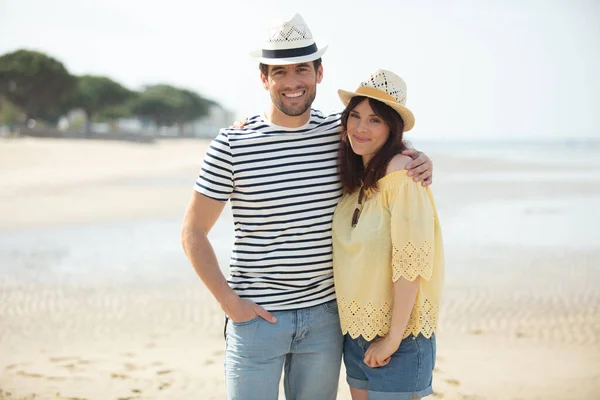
387 249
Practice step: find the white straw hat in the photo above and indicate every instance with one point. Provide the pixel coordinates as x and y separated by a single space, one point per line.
290 42
387 87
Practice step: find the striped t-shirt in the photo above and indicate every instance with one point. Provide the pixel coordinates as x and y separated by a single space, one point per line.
283 187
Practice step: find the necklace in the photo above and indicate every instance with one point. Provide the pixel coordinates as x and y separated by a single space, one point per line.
358 208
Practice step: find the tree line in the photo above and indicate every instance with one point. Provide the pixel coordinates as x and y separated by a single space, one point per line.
36 86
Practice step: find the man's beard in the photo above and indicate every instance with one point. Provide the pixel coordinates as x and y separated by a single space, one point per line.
294 111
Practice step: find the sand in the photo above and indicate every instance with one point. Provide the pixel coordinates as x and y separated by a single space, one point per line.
520 317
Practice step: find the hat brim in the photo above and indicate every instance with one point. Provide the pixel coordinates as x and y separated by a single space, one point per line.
257 54
406 115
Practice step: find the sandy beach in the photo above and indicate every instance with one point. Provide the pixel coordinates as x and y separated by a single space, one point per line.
97 300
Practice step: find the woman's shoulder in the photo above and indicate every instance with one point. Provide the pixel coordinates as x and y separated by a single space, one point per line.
396 174
397 163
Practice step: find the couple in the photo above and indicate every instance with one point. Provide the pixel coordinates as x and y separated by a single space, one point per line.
318 199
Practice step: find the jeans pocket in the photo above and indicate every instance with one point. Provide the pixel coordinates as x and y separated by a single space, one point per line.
244 323
331 307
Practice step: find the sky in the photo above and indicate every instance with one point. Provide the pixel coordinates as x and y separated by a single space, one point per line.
475 69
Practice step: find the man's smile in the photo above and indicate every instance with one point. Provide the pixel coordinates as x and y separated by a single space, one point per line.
294 95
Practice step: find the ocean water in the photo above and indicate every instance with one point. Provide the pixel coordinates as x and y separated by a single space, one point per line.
563 219
569 153
570 223
127 252
150 252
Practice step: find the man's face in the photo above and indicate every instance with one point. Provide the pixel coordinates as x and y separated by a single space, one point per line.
293 87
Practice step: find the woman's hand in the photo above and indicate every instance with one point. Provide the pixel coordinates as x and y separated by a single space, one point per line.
380 352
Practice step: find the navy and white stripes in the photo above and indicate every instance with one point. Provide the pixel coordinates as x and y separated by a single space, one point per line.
283 187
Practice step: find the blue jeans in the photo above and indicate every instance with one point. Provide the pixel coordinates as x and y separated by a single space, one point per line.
307 343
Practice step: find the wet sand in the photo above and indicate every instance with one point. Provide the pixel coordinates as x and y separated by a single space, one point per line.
97 300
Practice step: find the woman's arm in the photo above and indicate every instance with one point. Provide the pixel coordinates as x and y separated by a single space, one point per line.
411 214
405 294
380 351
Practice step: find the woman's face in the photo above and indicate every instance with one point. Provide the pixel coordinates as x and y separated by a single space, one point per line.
367 131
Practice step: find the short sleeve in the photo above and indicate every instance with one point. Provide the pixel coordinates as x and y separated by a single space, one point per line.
216 176
412 231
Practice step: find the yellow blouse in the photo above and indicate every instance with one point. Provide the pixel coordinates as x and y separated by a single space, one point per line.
397 235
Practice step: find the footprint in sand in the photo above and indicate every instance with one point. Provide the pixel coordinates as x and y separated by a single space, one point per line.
164 385
130 367
164 372
476 332
70 366
118 376
438 395
56 378
210 361
29 375
453 382
62 359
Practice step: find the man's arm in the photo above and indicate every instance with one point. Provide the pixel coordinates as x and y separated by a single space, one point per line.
420 167
201 214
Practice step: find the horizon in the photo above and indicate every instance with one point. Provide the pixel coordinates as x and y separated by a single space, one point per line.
474 72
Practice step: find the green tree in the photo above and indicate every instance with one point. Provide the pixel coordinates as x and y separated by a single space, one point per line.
96 93
167 105
157 103
36 83
115 112
9 114
194 107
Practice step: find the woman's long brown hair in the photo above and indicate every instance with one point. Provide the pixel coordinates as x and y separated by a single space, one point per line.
352 173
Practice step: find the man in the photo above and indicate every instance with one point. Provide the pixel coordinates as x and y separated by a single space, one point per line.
279 172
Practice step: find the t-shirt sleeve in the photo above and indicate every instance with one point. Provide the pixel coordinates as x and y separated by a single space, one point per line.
413 231
216 176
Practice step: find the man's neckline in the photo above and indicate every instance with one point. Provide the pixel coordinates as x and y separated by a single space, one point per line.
287 128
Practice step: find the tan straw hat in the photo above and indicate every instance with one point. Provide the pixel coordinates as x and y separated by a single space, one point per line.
290 42
387 87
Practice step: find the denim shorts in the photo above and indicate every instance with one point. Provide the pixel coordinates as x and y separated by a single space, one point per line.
408 375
